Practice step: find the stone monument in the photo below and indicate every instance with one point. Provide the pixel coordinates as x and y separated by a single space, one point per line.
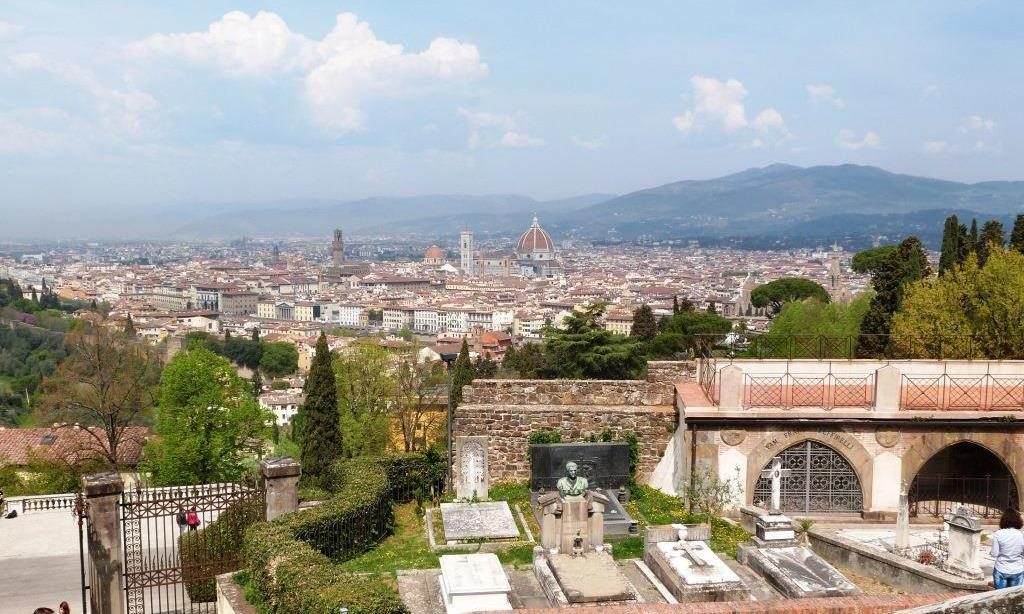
473 482
599 467
964 542
473 583
680 557
903 520
573 564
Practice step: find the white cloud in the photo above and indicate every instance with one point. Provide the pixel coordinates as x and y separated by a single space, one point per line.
599 142
847 139
824 94
9 30
935 147
976 123
720 104
340 72
496 130
121 109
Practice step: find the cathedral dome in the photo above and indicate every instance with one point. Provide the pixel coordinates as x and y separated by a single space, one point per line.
434 252
535 240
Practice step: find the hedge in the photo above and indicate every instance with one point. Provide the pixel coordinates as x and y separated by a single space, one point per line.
289 561
214 549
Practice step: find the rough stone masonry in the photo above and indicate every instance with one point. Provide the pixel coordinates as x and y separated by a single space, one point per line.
508 411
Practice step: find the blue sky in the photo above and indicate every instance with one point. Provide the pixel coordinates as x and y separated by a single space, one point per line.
143 103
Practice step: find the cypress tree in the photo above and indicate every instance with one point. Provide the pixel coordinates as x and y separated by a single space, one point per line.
227 336
991 238
257 383
972 238
321 431
256 335
1017 235
462 373
675 304
645 326
711 307
129 327
949 256
907 264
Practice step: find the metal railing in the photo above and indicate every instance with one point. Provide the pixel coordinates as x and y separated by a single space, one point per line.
937 495
707 377
827 391
838 347
969 392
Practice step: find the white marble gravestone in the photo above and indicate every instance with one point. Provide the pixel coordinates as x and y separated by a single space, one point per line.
472 465
473 583
478 520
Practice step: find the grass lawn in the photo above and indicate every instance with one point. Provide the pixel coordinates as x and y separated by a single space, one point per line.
652 507
406 549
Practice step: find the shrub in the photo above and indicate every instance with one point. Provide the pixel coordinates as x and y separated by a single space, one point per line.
213 549
545 436
289 560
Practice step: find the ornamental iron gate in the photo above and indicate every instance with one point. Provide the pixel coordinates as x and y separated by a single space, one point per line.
820 480
169 567
938 495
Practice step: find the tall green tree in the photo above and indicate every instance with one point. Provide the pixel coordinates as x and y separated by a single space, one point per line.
972 238
689 332
208 424
974 312
870 260
321 437
129 326
952 248
525 362
279 358
991 238
1017 235
256 335
645 327
777 293
812 318
675 304
367 387
462 373
906 265
256 383
584 349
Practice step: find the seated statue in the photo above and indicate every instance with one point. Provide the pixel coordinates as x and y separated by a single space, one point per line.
572 485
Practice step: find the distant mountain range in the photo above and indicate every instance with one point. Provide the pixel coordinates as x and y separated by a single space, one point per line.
820 203
778 205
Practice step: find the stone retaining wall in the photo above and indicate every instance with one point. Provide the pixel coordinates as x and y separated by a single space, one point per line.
509 428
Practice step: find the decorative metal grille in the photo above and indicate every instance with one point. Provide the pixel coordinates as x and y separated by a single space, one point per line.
155 577
959 392
820 481
708 377
937 495
824 391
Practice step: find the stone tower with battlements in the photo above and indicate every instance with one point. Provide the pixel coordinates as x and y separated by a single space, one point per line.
338 249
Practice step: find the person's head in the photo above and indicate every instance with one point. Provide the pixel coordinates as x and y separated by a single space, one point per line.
64 608
1011 519
43 611
571 469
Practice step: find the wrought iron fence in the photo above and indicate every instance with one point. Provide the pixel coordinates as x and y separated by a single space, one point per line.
169 564
837 347
937 495
933 553
974 392
827 391
707 374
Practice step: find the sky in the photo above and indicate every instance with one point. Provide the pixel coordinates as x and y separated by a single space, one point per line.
143 104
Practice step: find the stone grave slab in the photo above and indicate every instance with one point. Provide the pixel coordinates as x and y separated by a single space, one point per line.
471 461
797 572
464 521
692 572
594 578
473 583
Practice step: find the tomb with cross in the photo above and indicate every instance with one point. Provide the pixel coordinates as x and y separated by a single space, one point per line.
775 526
775 473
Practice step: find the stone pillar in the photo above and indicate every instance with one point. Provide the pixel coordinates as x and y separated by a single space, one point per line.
888 381
106 584
731 395
282 480
597 507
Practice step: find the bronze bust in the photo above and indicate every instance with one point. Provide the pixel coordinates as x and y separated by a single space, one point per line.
572 485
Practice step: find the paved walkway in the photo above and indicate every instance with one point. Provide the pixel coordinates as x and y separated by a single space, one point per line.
39 562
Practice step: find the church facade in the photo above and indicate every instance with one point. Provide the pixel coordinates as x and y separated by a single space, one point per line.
534 255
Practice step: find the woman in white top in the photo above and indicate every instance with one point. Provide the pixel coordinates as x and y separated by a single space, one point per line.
1008 551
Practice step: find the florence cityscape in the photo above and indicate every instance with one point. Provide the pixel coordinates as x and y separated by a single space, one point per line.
424 308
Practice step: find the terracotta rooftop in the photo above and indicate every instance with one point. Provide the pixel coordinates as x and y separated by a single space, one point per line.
68 443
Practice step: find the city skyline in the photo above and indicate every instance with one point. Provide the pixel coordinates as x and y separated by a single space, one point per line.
159 106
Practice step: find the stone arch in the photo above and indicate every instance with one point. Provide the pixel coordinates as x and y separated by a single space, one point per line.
845 444
921 448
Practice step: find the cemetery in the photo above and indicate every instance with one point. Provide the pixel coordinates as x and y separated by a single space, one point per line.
576 518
